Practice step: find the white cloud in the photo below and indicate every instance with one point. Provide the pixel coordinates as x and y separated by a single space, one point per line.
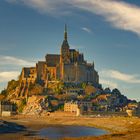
120 14
6 76
10 60
86 29
108 83
127 78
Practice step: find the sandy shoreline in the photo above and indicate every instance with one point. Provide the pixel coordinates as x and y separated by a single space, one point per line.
122 128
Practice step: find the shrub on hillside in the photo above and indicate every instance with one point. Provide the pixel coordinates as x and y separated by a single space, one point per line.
22 105
35 89
12 85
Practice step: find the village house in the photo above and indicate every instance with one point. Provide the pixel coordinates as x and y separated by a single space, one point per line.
6 108
73 106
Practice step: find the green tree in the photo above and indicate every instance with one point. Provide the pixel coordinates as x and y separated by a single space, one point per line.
4 92
59 88
22 105
84 85
12 85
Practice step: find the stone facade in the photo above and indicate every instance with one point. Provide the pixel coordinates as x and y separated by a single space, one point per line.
6 108
74 106
70 107
69 66
28 75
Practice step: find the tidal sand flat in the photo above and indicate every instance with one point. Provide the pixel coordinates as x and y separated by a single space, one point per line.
122 128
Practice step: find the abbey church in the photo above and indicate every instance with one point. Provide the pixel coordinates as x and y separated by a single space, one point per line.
69 67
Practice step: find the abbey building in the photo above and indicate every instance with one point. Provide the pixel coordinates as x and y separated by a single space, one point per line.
68 66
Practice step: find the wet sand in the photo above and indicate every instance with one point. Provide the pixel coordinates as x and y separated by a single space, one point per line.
122 128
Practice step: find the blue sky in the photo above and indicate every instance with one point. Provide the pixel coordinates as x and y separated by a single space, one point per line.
106 31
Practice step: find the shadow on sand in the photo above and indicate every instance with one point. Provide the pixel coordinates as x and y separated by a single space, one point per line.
10 127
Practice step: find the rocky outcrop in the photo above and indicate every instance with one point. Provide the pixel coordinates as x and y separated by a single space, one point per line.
130 112
36 105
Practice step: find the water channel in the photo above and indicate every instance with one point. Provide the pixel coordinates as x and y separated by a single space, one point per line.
57 132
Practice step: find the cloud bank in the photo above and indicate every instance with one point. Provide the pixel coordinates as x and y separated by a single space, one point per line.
119 14
108 83
10 60
7 76
6 62
117 75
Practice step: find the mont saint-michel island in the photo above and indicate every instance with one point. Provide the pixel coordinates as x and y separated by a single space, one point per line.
64 92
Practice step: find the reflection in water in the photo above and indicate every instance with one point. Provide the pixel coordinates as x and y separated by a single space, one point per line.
56 132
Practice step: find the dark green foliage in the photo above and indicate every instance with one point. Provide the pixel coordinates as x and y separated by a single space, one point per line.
61 107
116 91
14 107
22 105
84 85
4 92
59 88
12 85
35 89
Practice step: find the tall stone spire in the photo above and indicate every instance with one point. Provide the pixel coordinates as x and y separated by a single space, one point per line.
65 41
65 33
65 47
